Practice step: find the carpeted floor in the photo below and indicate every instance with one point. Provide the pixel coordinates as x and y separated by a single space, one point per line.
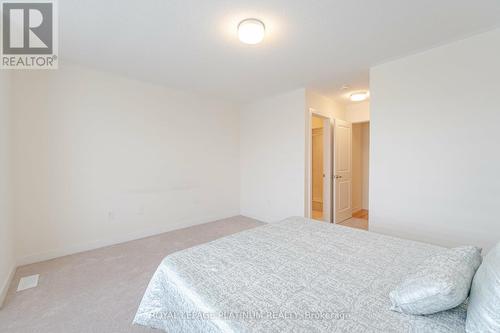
100 290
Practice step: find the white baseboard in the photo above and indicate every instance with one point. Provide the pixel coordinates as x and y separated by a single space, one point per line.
257 217
6 285
61 252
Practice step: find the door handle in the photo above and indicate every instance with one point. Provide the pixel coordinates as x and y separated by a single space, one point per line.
337 177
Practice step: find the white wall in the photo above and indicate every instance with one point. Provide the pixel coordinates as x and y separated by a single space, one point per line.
324 105
358 112
365 164
7 260
357 168
360 166
435 144
101 159
272 157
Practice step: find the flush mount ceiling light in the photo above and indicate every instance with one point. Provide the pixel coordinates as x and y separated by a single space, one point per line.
251 31
359 96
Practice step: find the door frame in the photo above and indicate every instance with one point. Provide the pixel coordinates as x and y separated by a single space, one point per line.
313 112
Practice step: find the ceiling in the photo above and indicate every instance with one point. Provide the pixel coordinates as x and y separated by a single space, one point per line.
319 44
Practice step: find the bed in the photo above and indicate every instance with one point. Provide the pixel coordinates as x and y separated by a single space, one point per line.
295 275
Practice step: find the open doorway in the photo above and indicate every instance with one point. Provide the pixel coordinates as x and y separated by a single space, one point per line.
320 168
338 171
360 175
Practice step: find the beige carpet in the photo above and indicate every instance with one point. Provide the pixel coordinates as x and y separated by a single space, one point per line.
100 290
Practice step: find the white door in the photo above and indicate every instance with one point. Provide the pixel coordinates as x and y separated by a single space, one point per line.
342 173
327 170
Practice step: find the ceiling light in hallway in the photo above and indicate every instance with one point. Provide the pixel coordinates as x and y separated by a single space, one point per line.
359 96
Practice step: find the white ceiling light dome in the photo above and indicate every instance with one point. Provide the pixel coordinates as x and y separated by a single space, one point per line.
251 31
359 96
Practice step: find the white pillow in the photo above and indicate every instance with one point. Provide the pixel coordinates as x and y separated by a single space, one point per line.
440 283
483 312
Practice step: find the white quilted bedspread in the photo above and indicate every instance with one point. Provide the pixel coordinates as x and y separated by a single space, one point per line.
296 275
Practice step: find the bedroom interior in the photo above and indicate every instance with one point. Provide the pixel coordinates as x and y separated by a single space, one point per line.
249 166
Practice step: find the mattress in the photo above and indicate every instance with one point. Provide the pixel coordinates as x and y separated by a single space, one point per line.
296 275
